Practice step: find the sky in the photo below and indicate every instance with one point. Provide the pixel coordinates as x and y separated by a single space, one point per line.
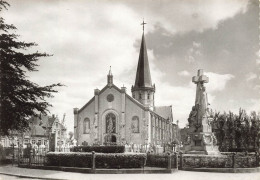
86 37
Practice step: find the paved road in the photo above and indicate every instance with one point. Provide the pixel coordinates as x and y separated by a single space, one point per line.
5 177
180 175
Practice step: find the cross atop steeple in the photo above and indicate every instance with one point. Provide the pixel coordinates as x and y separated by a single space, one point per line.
110 77
110 72
143 23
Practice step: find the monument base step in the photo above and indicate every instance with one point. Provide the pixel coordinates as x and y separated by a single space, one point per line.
195 152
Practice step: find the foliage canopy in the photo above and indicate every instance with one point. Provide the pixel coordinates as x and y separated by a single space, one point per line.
19 97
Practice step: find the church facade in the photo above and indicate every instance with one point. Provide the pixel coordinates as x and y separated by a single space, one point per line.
114 117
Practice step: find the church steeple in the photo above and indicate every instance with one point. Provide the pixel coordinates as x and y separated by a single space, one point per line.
143 90
143 75
110 77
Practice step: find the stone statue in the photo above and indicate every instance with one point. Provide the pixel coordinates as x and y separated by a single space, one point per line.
201 101
193 116
200 138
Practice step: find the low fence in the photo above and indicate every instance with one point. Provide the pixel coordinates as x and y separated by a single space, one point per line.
37 157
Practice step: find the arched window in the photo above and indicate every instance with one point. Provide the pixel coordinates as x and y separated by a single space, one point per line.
86 126
135 124
110 123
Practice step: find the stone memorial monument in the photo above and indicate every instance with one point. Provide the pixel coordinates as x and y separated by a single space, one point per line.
200 138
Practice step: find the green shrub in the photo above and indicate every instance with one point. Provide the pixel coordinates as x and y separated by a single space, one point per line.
8 151
157 160
224 161
2 153
102 160
100 149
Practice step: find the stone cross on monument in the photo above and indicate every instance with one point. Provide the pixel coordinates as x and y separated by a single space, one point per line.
201 100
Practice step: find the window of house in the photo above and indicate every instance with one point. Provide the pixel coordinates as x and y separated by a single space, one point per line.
148 96
140 96
26 141
33 141
135 124
57 125
86 126
45 142
39 142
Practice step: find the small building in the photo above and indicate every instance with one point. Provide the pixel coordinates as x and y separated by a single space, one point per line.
41 128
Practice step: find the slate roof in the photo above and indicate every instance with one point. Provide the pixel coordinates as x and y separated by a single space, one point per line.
164 111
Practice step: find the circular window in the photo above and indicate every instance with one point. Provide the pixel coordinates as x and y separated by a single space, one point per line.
110 97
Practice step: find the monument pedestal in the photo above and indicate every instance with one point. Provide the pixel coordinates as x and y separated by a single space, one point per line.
201 143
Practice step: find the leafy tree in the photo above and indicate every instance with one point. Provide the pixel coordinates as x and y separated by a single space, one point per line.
237 132
19 97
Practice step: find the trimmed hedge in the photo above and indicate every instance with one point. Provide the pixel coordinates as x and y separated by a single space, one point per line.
157 160
100 149
69 159
161 160
102 160
2 153
223 161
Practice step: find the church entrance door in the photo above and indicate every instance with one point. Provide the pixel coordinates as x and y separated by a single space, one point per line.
110 140
113 139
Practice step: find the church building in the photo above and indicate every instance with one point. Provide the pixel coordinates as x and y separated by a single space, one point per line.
114 117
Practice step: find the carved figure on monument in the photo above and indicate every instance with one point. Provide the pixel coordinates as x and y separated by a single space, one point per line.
193 116
214 140
188 140
207 139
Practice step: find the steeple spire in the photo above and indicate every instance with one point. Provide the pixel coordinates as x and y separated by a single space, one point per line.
110 77
143 89
143 76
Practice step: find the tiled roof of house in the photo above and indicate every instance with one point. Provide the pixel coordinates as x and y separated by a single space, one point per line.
42 123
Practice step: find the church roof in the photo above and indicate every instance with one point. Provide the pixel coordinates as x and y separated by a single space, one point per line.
164 111
143 76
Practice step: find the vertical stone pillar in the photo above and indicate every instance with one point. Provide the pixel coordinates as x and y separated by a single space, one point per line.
76 116
97 126
93 161
122 125
152 128
159 130
147 136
